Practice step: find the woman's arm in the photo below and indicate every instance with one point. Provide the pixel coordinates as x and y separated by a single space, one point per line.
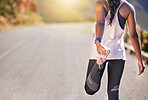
100 21
131 20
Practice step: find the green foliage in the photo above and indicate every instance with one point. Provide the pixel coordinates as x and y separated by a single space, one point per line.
27 19
145 44
8 9
145 47
12 15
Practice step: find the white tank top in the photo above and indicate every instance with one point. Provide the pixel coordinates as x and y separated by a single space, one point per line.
112 38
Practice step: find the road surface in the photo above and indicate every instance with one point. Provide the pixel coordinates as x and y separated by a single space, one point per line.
50 63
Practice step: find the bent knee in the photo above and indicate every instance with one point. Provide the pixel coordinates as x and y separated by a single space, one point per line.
89 91
91 87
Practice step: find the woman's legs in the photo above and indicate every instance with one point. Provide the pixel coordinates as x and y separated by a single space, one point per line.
93 78
115 70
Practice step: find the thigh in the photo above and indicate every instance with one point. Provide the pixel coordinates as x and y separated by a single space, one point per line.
91 63
94 75
115 70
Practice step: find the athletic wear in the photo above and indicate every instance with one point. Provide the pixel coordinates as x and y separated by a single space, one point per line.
94 76
122 20
112 37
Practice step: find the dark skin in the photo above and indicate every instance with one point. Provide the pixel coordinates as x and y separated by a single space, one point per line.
128 12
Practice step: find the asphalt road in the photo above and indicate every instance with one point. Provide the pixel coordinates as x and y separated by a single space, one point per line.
50 63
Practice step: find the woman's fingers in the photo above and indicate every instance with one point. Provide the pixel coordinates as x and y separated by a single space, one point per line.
141 67
141 70
101 50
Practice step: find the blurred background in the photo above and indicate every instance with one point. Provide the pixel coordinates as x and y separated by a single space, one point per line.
28 12
45 46
66 10
17 11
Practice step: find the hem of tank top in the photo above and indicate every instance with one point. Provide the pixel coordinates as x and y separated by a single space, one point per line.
110 58
116 59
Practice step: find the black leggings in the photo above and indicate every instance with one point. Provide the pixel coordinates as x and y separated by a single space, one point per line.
94 75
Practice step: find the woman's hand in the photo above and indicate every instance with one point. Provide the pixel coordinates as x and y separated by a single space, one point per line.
141 67
100 49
